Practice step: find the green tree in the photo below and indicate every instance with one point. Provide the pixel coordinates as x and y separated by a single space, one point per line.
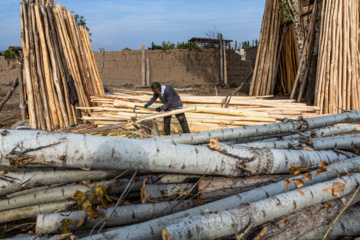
9 54
81 21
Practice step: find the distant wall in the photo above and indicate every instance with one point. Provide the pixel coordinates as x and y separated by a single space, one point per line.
180 68
8 71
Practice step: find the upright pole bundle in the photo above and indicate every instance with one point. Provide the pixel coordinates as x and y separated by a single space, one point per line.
59 65
337 82
266 59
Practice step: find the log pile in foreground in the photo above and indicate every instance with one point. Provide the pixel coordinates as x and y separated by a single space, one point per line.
202 113
59 66
80 185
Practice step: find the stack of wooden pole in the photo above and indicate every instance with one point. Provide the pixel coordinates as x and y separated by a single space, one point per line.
59 65
289 61
337 82
177 184
202 113
268 47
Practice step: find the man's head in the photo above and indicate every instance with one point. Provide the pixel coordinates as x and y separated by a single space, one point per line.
156 87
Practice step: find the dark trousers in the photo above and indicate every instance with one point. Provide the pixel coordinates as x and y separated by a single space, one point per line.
182 120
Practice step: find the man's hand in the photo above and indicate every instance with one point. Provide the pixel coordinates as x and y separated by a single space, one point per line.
158 109
146 106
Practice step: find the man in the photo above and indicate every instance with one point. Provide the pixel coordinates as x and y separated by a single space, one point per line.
171 101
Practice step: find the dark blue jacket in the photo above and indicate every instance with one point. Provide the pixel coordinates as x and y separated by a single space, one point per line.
171 99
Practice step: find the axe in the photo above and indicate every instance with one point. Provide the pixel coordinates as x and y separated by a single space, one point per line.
134 111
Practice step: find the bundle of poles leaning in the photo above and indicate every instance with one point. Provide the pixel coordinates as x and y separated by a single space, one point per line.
203 113
59 66
193 194
330 33
337 82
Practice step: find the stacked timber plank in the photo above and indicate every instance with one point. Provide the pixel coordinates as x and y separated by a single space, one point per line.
59 66
179 187
203 113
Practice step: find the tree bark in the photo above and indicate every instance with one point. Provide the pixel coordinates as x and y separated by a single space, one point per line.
54 194
348 142
240 220
96 152
347 225
294 226
215 188
152 229
166 192
315 133
123 215
21 180
33 211
253 131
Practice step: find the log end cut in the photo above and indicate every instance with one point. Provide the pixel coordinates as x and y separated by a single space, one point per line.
143 195
165 234
213 143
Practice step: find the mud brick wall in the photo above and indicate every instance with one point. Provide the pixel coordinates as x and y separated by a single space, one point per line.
181 68
8 71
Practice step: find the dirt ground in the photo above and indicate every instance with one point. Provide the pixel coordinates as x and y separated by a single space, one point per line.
10 113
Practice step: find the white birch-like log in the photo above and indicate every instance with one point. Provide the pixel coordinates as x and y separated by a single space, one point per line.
322 132
214 188
254 161
166 192
55 194
239 220
292 226
347 225
97 152
315 133
123 215
21 180
338 142
33 211
299 125
152 229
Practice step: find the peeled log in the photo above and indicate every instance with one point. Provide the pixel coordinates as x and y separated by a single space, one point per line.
152 229
22 180
239 220
124 215
33 211
166 192
347 225
215 188
96 152
299 125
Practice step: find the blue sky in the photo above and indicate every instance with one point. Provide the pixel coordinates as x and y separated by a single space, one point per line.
117 24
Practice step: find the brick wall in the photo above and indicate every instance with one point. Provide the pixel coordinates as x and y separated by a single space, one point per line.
181 68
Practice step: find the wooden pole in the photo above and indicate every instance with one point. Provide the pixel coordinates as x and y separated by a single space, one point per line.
147 72
29 90
39 72
143 66
35 80
59 63
221 60
55 70
46 69
225 66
